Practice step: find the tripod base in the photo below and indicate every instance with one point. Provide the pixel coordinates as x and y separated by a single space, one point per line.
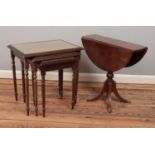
109 88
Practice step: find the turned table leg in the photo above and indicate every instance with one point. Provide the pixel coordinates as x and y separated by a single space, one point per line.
75 79
23 80
14 75
61 83
35 88
26 66
43 93
32 71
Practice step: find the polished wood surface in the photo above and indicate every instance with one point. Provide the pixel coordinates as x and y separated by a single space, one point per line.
38 51
109 87
50 65
61 83
43 48
111 55
14 75
115 43
139 113
55 56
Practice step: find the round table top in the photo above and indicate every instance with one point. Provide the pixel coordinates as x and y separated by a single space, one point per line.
111 54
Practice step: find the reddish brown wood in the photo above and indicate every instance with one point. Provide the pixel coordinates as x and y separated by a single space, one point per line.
61 83
75 69
107 90
22 54
14 75
55 56
59 64
34 87
43 93
23 80
28 51
33 84
26 66
111 55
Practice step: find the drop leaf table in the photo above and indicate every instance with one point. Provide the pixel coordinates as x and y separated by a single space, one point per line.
111 55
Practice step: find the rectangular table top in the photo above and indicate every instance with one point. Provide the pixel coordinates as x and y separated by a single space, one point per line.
44 48
115 42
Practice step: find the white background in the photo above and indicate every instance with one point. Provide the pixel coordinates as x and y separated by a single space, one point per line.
77 141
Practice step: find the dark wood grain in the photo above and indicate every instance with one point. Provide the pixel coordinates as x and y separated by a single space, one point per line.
14 75
61 83
39 51
111 55
23 80
107 54
115 43
43 93
43 48
26 66
58 64
56 56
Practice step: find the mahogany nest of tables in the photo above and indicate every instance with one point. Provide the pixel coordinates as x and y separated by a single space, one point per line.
111 55
43 52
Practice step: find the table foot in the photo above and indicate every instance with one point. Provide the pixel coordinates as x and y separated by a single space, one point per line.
36 112
109 109
73 104
44 113
27 112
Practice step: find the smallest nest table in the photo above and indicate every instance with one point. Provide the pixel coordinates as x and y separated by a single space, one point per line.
46 56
